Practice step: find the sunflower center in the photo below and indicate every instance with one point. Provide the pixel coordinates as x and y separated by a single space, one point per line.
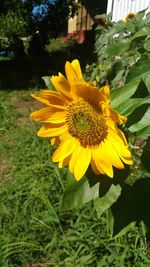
86 123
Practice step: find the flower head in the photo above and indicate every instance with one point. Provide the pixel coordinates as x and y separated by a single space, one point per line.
78 117
129 16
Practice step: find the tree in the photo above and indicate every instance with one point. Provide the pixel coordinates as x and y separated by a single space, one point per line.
20 18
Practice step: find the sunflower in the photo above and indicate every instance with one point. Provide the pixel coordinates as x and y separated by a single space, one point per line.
129 16
78 117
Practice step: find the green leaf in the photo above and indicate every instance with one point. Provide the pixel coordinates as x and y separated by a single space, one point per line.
120 26
144 122
47 80
78 193
117 48
147 45
133 103
130 26
146 79
141 91
142 32
132 205
140 69
144 133
122 94
103 203
145 157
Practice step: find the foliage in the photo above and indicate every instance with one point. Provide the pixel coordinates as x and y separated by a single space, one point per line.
34 230
15 22
41 20
123 62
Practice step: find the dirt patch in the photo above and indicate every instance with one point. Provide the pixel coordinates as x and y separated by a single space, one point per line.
7 139
25 105
24 121
4 169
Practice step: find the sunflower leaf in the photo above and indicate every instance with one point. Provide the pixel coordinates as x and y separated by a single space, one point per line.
117 48
142 32
140 69
133 103
144 133
48 83
103 203
144 122
132 205
78 193
122 94
146 79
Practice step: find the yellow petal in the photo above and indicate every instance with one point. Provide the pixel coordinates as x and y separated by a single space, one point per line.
51 115
117 117
105 109
57 117
80 161
116 133
71 74
55 140
62 85
122 136
76 66
112 155
40 99
65 149
52 130
127 160
93 165
88 92
42 114
64 162
119 146
52 99
101 161
105 93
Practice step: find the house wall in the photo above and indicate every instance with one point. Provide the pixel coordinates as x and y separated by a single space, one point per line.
84 19
72 24
121 8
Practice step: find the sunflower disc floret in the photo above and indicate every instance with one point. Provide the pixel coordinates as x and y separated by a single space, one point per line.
85 123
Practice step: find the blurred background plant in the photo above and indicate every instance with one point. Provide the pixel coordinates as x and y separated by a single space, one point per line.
39 20
122 50
120 47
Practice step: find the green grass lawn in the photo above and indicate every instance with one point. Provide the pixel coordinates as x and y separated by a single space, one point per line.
34 230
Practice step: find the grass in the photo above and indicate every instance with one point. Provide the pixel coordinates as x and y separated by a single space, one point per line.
34 230
56 45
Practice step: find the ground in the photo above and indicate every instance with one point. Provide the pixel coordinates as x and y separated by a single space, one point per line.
35 231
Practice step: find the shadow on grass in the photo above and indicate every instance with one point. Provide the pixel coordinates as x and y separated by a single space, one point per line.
23 73
26 72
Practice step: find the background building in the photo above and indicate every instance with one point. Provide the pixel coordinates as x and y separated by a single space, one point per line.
84 19
121 8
